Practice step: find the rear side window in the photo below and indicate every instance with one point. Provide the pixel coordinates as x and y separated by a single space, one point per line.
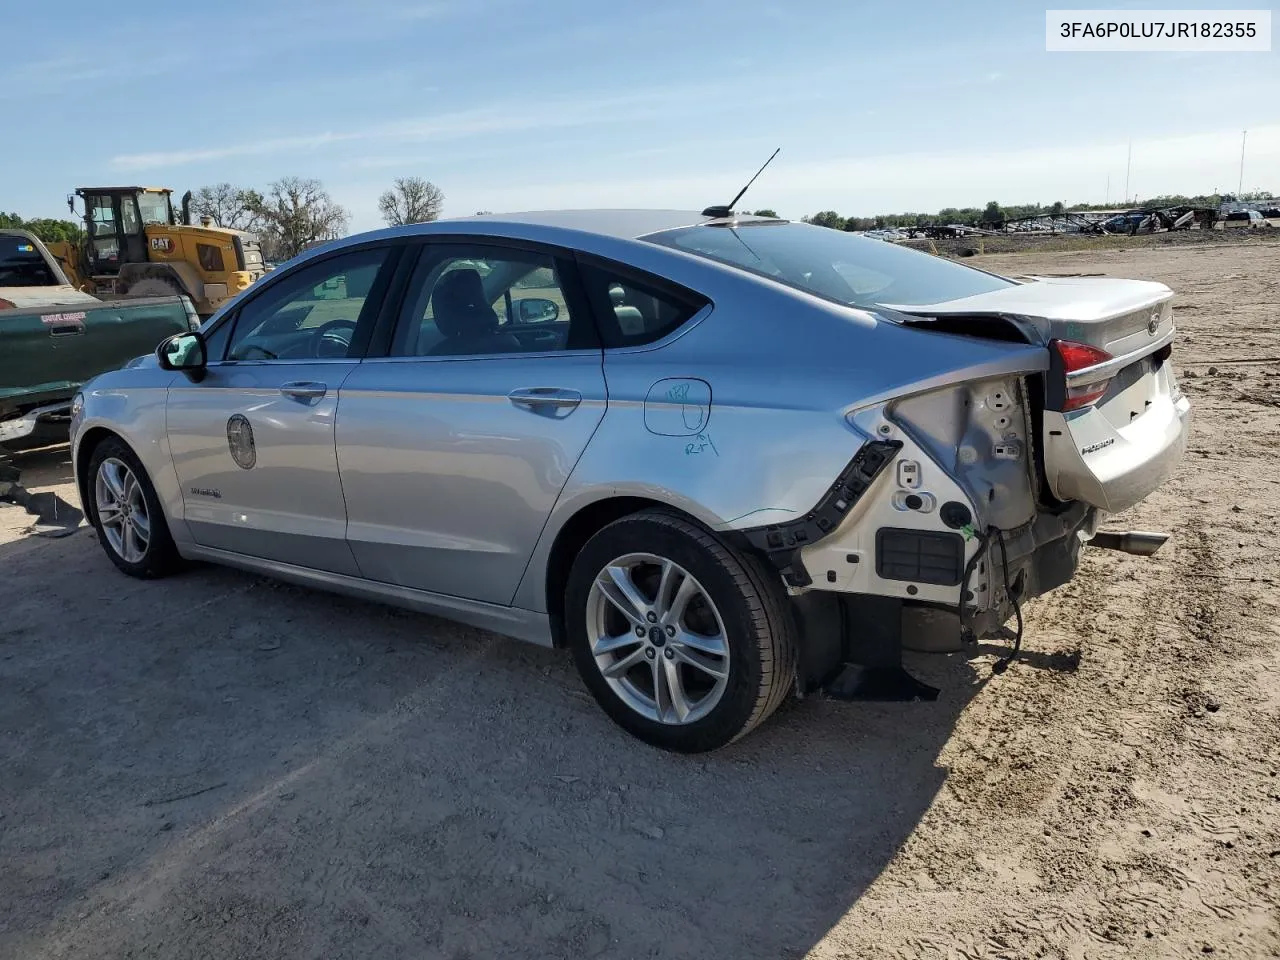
634 309
21 264
833 264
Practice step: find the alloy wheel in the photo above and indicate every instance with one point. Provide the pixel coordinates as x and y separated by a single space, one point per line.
657 638
122 510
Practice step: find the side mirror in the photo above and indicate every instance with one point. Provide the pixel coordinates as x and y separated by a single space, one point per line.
536 310
185 352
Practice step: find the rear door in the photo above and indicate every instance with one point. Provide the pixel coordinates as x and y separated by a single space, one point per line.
454 446
253 442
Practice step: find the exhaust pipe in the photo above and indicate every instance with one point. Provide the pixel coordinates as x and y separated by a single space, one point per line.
1137 542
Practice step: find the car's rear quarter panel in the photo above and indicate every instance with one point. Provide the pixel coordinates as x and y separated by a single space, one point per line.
784 370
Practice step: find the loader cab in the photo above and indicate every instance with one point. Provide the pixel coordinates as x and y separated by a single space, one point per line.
116 219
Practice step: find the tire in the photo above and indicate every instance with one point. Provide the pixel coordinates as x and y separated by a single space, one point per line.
155 287
108 483
734 605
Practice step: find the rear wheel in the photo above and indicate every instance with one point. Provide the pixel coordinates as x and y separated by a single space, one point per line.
126 513
684 642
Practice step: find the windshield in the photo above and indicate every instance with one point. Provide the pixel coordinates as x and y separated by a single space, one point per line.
839 266
21 265
154 207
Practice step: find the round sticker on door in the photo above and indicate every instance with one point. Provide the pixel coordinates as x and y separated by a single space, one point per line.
240 442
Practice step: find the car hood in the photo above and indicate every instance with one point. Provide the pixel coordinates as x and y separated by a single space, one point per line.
54 296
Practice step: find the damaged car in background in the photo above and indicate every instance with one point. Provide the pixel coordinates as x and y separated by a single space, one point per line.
722 459
54 337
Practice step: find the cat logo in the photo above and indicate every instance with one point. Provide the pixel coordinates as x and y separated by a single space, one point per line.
163 244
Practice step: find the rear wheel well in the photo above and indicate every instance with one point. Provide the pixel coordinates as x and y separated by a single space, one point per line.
573 536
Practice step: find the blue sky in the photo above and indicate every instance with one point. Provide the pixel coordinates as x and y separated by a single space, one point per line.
512 105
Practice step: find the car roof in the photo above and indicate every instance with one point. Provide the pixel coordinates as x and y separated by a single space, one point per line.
623 224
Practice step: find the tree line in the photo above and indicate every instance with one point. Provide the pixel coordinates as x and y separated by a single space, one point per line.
995 213
296 212
292 214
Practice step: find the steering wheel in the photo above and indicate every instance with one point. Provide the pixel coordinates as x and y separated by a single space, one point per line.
534 339
331 333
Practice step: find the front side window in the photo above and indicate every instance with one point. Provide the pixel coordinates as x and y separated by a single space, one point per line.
852 270
481 301
312 313
102 221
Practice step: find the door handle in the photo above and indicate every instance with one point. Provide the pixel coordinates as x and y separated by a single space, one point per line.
548 401
304 390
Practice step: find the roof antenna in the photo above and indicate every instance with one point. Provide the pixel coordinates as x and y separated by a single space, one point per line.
727 211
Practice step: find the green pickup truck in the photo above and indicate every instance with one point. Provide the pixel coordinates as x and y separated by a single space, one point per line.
53 338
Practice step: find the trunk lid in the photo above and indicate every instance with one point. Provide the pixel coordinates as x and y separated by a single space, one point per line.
1104 312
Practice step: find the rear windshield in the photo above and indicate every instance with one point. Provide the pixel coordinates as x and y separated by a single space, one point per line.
839 266
21 265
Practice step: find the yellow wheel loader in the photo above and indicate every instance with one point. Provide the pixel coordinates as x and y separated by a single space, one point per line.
137 247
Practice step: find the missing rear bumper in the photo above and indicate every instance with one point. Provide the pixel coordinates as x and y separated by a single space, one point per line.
852 649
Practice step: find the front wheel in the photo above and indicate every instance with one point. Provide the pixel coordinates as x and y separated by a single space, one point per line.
685 643
126 513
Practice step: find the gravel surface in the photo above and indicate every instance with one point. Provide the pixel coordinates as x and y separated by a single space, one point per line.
217 765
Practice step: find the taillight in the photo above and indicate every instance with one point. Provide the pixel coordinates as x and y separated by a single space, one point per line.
6 304
1076 357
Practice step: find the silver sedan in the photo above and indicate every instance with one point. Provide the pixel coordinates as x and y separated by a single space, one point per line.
721 459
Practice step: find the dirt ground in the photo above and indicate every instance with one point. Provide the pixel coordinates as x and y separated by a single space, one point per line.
221 766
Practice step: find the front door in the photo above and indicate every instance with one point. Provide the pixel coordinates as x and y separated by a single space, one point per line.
454 448
103 221
133 236
253 443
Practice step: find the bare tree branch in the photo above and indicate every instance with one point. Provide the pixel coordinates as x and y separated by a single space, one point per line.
227 206
411 200
296 213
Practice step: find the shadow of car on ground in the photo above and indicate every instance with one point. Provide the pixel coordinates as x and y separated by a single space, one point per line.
218 763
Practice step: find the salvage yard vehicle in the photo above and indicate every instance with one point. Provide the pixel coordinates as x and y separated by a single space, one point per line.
1243 220
53 338
720 458
31 276
138 247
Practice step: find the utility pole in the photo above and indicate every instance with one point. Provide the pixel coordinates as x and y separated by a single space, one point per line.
1240 189
1108 203
1128 164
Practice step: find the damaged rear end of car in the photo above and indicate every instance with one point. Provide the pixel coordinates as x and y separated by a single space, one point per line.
995 484
1024 413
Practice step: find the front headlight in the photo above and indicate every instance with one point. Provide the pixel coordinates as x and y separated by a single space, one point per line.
77 405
